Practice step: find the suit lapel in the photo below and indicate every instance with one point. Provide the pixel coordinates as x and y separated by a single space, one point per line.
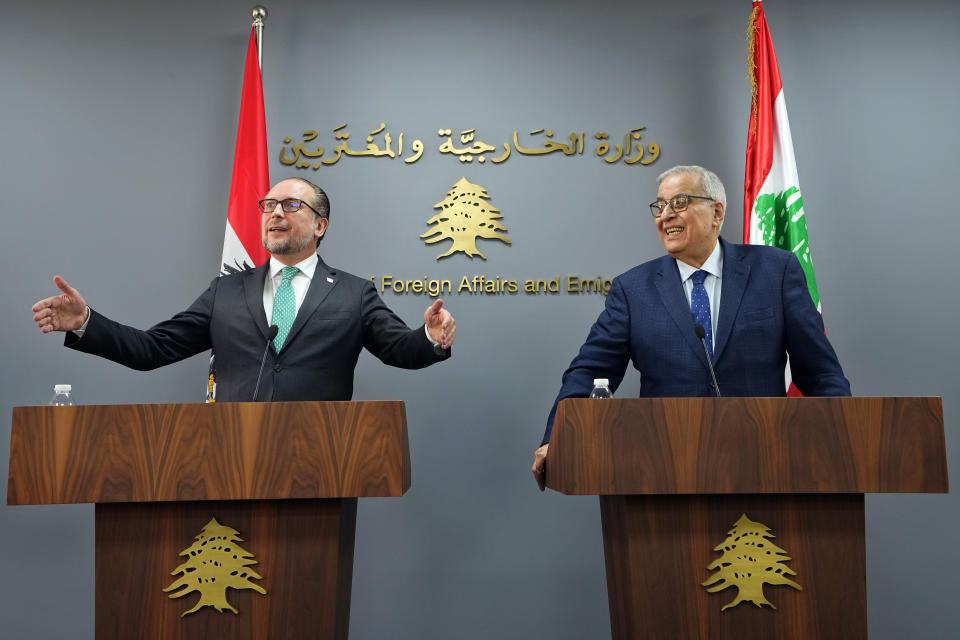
253 280
323 281
675 300
735 275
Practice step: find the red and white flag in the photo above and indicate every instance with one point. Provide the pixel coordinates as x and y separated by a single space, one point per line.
772 204
242 246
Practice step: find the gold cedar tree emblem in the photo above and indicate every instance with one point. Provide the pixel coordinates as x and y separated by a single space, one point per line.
214 562
748 560
465 215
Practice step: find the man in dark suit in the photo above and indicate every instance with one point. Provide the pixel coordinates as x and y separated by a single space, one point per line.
324 317
751 300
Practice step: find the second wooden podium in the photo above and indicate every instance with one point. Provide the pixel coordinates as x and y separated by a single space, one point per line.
284 477
746 493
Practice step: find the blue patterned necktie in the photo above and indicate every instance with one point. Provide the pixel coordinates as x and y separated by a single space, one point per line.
700 307
284 307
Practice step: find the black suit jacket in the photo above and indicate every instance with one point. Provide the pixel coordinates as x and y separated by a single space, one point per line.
340 315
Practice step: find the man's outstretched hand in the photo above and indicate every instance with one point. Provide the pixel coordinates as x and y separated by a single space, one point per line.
65 312
440 324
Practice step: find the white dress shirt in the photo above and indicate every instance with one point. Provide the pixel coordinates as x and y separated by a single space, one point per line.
300 283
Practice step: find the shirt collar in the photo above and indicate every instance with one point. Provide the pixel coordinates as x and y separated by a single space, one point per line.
307 267
713 265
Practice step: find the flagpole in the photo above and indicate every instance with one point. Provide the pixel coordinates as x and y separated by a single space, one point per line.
259 15
251 176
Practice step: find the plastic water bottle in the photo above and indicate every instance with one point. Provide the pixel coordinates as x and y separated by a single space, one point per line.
601 388
62 396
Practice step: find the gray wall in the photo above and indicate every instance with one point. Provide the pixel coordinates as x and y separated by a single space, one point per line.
118 123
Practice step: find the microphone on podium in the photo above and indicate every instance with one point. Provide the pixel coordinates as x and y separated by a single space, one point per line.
271 334
702 335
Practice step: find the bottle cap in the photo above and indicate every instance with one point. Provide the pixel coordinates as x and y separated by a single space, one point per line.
62 388
601 382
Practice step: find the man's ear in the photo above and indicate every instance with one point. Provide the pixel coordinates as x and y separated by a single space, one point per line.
718 212
320 228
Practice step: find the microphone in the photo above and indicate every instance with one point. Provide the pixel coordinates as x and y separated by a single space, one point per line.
271 334
702 335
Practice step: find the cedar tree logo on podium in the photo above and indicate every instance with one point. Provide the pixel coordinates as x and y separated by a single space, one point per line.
465 215
214 562
748 561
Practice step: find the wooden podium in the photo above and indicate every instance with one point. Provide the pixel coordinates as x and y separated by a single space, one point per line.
675 474
286 475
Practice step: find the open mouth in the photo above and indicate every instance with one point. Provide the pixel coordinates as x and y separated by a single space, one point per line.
672 231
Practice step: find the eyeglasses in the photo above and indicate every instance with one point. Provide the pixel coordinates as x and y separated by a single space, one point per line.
289 205
678 203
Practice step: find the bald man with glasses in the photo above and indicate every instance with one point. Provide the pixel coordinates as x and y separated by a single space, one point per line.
745 307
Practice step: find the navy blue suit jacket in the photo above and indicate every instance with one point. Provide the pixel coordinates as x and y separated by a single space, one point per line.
765 313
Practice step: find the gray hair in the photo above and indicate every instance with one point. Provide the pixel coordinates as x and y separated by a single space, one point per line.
709 182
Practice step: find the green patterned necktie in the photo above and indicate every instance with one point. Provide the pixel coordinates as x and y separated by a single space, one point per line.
284 307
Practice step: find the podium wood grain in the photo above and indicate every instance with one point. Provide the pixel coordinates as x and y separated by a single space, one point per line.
657 549
303 549
221 451
748 445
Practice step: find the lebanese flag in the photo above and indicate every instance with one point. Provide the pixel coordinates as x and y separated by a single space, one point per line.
242 247
772 205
